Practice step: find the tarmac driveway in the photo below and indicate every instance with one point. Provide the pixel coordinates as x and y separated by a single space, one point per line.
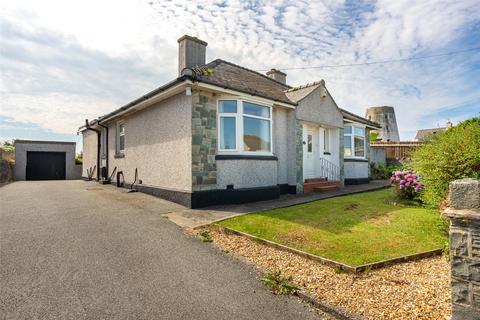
78 250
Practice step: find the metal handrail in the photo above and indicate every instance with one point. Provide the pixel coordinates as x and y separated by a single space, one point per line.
329 170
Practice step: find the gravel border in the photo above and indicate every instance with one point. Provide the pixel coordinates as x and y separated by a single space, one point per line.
411 290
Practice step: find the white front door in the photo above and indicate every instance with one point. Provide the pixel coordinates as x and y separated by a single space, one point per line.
310 151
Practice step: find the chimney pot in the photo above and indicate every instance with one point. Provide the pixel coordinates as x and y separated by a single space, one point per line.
191 52
277 75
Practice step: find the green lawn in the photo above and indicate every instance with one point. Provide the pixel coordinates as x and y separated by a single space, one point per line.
355 229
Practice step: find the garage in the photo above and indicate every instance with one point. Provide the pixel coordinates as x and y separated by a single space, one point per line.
45 165
45 160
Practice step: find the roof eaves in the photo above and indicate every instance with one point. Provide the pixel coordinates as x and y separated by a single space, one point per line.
354 117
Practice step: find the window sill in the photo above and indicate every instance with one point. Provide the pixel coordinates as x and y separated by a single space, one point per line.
119 155
245 157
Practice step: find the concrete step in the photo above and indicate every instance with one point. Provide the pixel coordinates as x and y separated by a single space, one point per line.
326 188
320 186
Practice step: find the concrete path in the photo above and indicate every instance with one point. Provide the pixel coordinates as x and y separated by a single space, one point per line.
78 250
194 218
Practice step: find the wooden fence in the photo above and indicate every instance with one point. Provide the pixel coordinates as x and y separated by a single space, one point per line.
396 152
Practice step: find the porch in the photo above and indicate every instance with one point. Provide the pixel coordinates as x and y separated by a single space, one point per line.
321 158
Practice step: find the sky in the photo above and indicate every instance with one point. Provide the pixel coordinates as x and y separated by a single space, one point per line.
62 62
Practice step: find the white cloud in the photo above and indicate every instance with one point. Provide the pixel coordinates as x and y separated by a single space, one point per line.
85 58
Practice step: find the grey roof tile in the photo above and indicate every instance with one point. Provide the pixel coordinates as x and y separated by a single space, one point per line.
228 75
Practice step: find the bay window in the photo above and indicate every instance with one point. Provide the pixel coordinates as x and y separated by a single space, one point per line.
354 141
244 127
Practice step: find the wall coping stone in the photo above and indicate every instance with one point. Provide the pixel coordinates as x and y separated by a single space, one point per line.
465 194
470 214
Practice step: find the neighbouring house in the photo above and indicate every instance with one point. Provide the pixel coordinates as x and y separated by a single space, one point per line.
221 133
423 134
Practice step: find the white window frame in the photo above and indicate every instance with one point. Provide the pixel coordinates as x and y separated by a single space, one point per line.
326 141
117 137
239 125
352 140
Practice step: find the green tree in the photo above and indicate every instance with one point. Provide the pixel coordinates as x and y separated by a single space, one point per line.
8 146
454 154
373 135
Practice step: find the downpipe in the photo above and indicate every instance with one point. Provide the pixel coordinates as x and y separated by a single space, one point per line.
106 149
87 126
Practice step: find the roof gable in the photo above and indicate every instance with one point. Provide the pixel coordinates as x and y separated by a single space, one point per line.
299 93
422 134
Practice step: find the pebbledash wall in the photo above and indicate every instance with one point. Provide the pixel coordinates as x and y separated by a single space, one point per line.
157 143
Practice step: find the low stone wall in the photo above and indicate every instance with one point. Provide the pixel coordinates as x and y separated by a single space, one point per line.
464 213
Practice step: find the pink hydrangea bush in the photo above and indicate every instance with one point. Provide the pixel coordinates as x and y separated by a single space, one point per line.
407 183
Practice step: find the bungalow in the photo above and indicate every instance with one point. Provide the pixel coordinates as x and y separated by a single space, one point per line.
221 133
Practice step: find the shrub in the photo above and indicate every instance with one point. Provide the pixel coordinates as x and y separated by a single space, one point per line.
454 154
381 171
79 158
407 184
205 236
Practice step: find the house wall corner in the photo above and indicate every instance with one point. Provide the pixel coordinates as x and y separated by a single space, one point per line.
299 155
204 141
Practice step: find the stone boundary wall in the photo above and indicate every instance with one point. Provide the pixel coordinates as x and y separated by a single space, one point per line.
464 214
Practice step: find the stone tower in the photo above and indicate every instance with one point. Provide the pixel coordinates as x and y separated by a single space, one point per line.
385 116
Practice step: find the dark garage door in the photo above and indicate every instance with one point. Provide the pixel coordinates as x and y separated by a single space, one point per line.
45 165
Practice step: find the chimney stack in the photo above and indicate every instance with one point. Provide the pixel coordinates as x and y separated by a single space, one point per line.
191 52
277 75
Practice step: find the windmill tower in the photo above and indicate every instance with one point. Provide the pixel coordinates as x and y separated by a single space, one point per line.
385 116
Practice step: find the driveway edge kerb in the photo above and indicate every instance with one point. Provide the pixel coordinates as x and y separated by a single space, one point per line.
337 312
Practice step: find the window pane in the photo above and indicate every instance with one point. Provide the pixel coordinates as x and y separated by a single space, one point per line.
347 142
326 141
359 147
227 133
359 131
347 129
256 134
309 143
256 110
227 106
121 128
121 143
